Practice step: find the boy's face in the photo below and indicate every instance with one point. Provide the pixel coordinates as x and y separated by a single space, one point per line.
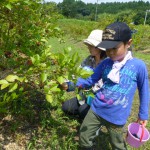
118 53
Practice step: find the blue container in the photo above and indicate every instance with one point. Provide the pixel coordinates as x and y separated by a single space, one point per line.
89 100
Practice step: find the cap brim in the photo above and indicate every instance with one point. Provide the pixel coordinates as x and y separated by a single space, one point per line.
93 43
108 44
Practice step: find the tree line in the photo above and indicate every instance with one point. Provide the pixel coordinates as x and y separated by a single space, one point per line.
89 11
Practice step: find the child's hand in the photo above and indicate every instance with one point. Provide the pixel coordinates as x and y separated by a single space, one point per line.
143 122
79 87
63 86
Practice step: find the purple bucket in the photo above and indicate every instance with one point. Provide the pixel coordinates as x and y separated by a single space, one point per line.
137 135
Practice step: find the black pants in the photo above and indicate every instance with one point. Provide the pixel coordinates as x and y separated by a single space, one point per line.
72 107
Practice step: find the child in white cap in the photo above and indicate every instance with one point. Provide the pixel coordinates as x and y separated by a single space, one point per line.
80 107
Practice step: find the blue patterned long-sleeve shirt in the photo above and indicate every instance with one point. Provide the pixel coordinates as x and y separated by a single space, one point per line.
113 101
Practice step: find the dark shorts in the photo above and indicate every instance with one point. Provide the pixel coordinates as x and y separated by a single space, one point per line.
72 107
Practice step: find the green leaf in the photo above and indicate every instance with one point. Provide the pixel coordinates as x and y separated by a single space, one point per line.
11 78
43 65
3 82
78 69
67 50
21 79
78 96
57 28
60 80
3 86
21 89
46 89
14 95
5 96
52 84
49 98
13 87
26 1
43 40
8 98
85 73
8 6
54 89
61 58
75 57
43 77
12 1
37 58
33 60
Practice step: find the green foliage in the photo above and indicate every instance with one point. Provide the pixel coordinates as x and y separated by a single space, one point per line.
77 28
71 8
139 18
141 38
25 26
45 73
105 19
126 16
127 10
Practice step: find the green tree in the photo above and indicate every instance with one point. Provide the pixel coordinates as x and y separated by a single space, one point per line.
139 18
68 8
126 16
26 28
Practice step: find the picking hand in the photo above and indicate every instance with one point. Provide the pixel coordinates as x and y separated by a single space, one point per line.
63 86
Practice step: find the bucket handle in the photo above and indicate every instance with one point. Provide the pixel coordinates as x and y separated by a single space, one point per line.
142 131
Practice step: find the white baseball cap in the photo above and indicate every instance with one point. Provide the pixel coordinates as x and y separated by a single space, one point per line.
95 38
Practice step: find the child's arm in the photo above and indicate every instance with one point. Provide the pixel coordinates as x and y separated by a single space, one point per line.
143 88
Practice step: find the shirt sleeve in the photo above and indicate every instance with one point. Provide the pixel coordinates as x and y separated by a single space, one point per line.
71 86
143 88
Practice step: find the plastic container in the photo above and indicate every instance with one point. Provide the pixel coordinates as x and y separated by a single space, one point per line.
89 100
137 135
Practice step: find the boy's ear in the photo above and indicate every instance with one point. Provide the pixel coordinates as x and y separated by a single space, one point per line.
129 43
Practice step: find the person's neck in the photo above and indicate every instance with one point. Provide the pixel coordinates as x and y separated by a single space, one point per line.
97 59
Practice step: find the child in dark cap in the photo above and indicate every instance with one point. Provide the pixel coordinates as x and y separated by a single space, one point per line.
122 75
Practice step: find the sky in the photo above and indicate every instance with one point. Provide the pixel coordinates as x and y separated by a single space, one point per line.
99 1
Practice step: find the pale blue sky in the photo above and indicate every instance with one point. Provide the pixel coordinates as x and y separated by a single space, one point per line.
99 1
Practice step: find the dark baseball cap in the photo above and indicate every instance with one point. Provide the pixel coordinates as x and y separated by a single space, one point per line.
114 34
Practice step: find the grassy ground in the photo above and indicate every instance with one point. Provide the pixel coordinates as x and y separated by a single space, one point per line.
46 127
77 46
